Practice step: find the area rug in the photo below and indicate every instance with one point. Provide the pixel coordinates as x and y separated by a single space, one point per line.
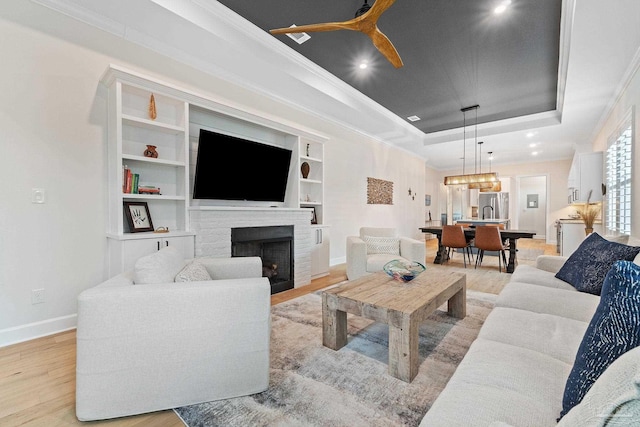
311 385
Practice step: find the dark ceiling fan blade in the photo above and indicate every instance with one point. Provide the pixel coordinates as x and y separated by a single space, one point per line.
384 45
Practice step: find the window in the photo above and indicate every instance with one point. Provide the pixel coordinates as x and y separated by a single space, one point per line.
618 180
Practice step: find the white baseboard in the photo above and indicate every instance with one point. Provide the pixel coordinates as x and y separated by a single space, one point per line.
35 330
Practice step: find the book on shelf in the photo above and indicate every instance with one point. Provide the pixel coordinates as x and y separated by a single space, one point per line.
131 183
134 183
148 189
127 178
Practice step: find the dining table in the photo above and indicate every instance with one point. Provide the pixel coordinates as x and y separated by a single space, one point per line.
511 235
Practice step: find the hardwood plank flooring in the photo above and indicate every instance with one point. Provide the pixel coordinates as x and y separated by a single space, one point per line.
37 377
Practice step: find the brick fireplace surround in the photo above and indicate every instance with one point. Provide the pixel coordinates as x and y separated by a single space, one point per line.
213 225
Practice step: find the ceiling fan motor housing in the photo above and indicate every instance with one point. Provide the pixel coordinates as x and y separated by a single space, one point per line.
364 9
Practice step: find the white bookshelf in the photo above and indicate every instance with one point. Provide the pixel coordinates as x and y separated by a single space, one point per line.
130 130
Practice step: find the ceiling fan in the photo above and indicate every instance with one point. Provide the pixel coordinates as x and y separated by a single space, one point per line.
365 21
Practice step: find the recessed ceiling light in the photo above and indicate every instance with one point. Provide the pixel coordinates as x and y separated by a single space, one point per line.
298 37
533 144
413 118
534 153
531 134
502 7
363 65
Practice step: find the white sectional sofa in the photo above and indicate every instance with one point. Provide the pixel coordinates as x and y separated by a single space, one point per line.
515 372
153 346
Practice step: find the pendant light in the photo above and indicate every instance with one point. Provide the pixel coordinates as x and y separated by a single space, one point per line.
473 180
497 186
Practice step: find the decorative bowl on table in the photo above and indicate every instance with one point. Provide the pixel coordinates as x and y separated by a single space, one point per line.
403 271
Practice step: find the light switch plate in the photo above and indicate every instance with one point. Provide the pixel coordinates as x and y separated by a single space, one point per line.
37 195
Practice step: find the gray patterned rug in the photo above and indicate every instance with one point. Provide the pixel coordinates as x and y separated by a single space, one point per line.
311 385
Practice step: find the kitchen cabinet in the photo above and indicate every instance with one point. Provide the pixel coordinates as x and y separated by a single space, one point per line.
319 251
123 253
572 234
586 175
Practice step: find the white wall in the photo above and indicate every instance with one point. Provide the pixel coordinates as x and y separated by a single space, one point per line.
53 121
628 100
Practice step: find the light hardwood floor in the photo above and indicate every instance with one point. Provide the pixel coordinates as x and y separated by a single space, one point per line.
37 378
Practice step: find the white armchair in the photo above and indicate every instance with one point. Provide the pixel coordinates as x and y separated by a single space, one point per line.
374 247
149 347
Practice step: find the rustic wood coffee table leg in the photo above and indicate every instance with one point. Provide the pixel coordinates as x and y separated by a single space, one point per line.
457 304
403 346
334 324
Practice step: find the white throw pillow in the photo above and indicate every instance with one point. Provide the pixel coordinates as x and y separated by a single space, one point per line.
382 245
193 272
158 267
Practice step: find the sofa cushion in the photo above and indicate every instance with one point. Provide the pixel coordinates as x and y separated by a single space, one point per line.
555 336
529 274
382 245
497 382
158 267
542 299
614 397
588 265
193 272
614 330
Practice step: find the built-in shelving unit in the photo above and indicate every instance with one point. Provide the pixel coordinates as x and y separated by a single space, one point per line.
311 188
174 132
130 131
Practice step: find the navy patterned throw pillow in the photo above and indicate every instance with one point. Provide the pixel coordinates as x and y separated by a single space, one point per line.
588 265
613 330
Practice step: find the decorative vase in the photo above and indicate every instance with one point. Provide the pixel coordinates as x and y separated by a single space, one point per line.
588 231
152 108
304 168
151 151
307 150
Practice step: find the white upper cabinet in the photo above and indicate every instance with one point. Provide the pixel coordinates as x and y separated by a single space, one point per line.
585 176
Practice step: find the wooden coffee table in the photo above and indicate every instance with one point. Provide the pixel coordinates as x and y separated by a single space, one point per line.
402 306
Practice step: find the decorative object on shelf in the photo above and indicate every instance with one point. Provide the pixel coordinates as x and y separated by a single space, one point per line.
379 192
427 200
161 230
402 270
412 194
152 108
305 168
138 216
151 152
314 218
307 150
588 213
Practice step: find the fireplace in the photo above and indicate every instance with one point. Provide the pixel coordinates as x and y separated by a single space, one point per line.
274 245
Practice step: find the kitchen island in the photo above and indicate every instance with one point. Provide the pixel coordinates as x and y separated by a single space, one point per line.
476 221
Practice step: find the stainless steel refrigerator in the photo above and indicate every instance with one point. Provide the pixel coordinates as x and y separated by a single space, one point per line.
493 205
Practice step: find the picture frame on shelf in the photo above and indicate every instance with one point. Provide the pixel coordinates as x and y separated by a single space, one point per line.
138 216
314 218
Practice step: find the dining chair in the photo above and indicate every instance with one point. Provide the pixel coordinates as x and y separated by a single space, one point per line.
453 238
488 238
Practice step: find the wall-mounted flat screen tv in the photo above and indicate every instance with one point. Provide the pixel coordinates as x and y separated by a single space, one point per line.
231 168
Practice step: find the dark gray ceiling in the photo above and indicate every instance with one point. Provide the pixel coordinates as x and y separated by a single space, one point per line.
456 53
